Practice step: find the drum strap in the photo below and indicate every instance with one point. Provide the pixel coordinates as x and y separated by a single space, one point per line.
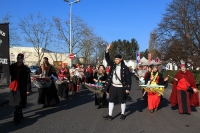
116 76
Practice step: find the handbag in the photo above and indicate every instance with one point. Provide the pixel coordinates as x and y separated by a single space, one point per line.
189 89
13 85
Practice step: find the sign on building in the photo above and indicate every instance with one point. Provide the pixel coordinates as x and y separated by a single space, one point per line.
4 53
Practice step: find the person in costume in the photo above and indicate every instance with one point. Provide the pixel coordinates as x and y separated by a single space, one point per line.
79 73
107 69
184 92
62 82
147 73
89 74
140 73
100 79
73 79
145 76
20 86
48 95
153 98
118 83
83 69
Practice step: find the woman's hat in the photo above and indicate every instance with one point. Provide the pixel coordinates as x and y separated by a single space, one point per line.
182 65
20 55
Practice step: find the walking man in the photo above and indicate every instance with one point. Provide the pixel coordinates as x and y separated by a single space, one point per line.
20 86
118 83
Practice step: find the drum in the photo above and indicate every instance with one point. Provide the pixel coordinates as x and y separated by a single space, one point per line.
62 81
94 88
41 82
159 89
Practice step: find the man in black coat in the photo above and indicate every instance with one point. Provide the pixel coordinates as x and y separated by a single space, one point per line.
118 83
20 86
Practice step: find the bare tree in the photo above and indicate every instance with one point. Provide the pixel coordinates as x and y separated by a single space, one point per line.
99 45
180 30
79 31
88 49
38 33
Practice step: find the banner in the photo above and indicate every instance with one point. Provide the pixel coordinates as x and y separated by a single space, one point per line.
4 54
149 57
156 59
138 57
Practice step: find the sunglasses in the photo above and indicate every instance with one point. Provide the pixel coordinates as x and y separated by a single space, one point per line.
19 57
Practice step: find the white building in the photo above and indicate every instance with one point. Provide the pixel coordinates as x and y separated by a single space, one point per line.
31 57
171 66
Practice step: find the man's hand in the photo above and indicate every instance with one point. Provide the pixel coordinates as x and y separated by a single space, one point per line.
108 47
195 90
166 79
127 91
175 79
27 92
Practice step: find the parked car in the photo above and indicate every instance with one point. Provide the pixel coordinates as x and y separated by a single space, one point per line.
34 69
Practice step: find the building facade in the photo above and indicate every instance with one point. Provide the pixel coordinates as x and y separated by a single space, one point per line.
31 56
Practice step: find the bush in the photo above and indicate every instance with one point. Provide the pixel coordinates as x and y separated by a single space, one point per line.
171 74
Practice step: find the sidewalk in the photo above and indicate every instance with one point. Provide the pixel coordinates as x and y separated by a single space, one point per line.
4 93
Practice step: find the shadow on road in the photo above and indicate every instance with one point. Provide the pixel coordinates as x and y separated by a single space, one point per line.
72 101
163 103
139 105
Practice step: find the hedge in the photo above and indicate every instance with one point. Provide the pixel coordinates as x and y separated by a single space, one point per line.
196 74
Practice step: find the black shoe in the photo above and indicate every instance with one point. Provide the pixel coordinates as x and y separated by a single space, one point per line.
45 106
98 107
16 120
107 117
122 117
21 116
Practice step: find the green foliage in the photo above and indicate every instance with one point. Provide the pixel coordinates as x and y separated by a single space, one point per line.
126 48
144 54
170 73
196 74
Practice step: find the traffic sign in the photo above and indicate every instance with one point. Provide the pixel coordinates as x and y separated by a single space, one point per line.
71 56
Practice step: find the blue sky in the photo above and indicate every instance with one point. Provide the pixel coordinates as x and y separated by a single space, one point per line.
111 19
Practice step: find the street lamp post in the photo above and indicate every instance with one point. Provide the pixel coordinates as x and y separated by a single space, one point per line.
102 45
70 27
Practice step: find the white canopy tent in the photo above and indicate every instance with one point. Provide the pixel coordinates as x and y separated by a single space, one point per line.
154 62
144 61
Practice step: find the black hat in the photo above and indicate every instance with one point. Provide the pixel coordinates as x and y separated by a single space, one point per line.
118 56
45 58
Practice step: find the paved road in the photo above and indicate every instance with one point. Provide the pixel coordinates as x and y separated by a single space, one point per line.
78 114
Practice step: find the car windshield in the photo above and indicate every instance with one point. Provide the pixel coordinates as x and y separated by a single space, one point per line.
34 67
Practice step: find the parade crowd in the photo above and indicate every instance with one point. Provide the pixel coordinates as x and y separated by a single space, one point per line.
115 81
